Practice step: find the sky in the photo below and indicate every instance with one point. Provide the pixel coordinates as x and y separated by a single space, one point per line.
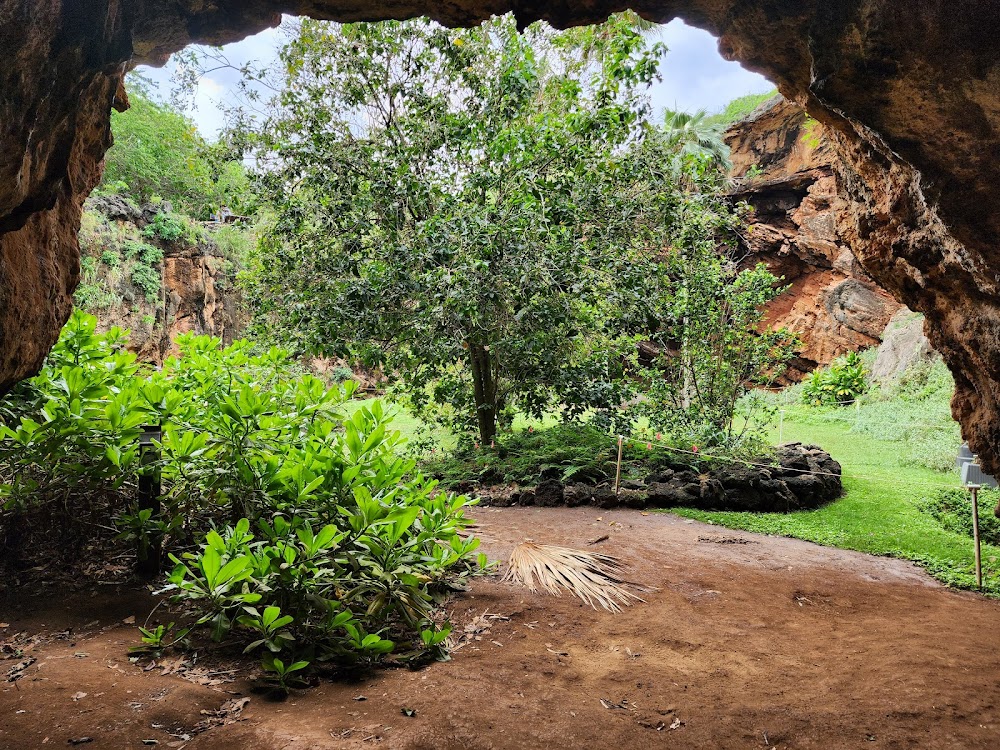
694 75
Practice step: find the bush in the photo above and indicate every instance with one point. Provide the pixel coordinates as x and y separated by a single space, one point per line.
953 510
838 385
148 280
142 251
170 228
348 540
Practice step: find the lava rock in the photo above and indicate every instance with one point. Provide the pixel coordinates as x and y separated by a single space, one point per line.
549 494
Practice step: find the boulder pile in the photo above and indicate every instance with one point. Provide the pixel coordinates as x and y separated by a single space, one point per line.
801 477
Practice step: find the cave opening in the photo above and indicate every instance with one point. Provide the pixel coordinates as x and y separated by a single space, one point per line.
871 187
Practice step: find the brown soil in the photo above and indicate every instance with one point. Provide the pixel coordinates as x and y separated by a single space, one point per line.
749 642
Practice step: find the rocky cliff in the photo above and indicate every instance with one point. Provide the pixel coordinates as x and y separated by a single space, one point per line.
909 93
784 167
156 274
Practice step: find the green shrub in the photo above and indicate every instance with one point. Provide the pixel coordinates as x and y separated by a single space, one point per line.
953 510
341 373
348 540
839 384
110 258
167 227
148 280
143 251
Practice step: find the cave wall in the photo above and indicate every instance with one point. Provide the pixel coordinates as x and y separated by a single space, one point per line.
783 167
909 92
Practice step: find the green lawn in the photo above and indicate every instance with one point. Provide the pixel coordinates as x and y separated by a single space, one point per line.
878 512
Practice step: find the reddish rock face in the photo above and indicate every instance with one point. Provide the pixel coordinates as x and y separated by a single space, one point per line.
910 94
783 166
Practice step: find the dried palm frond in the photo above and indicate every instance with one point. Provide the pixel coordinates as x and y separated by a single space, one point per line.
595 578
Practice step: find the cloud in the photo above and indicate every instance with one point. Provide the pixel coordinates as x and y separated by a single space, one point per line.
695 75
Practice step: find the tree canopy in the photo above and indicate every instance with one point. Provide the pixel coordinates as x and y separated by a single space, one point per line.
158 152
485 212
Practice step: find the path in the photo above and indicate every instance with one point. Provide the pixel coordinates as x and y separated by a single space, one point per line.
750 642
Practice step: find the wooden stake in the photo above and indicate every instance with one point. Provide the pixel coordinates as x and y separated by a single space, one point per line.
975 534
618 472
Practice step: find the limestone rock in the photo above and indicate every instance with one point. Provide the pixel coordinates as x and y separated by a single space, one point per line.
784 167
903 345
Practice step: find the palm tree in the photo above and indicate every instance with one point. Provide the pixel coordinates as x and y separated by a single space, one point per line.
688 133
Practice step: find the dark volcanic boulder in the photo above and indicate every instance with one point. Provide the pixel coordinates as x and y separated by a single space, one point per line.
577 493
549 493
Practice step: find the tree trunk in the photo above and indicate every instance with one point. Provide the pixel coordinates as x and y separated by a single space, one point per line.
485 391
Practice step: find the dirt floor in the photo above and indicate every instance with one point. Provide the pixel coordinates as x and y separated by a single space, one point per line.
749 642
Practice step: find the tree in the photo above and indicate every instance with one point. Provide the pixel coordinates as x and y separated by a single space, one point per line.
460 206
710 342
696 134
158 151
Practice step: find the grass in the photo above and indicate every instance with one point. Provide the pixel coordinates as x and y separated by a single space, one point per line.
884 489
879 512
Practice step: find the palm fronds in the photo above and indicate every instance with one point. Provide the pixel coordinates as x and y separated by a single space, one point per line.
595 578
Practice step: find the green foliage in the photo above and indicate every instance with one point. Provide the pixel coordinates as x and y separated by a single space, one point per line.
351 542
740 108
915 413
234 242
110 258
712 348
95 297
147 280
143 251
491 231
341 373
171 227
575 452
695 134
158 152
570 452
811 132
953 510
837 385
